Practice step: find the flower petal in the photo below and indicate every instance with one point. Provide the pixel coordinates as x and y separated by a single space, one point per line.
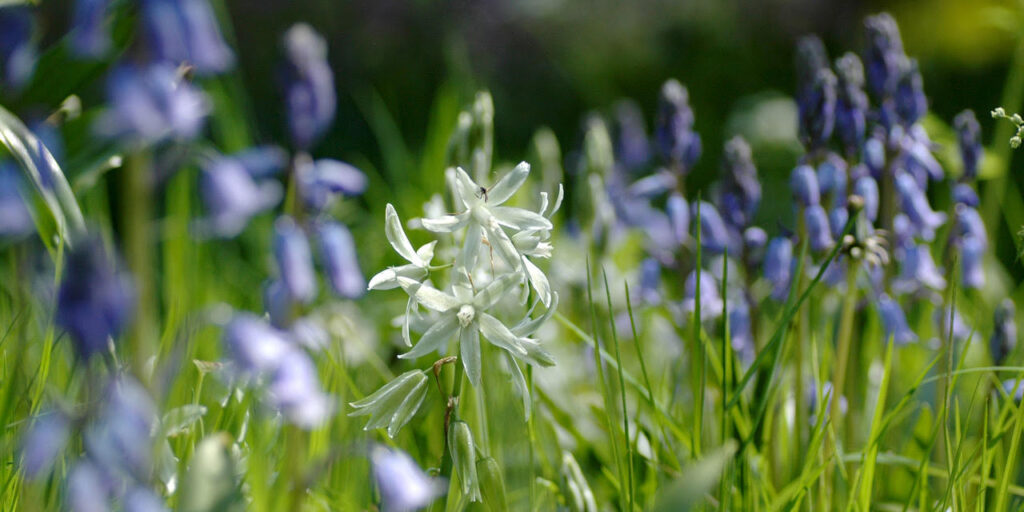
470 247
430 297
508 184
519 381
539 281
445 223
519 218
501 336
467 189
494 291
469 350
435 337
500 241
396 235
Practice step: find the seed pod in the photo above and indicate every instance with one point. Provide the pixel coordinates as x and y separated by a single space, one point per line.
460 442
492 484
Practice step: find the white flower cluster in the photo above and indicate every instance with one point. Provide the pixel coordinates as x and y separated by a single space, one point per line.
494 262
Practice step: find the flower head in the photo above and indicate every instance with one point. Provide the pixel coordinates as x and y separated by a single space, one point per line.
674 137
811 57
151 104
851 103
968 137
632 148
341 267
186 31
233 196
89 33
17 51
778 265
883 55
309 92
923 219
294 260
741 191
803 182
403 486
911 103
816 109
894 321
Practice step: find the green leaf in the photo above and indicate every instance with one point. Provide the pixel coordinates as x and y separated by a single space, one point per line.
179 420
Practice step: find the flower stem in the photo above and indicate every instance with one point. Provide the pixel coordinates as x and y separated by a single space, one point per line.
137 194
843 338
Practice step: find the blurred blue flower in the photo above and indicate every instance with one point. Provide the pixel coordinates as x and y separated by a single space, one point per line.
969 224
120 438
1004 332
710 298
811 57
232 196
867 188
650 281
837 219
674 137
87 491
15 218
960 328
338 252
915 204
254 345
632 148
778 265
17 51
652 185
917 269
828 393
911 103
874 156
322 180
44 443
309 89
403 486
186 31
90 36
894 321
832 179
819 232
294 260
972 253
295 390
851 103
803 182
917 157
262 161
754 241
151 104
714 234
883 54
277 303
742 339
965 194
816 108
968 137
140 499
679 216
740 194
96 300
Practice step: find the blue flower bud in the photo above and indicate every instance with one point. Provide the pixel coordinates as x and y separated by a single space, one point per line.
152 104
294 260
309 92
915 204
323 180
401 483
739 328
632 148
894 321
253 345
837 219
674 137
851 103
295 390
186 31
972 271
341 267
679 216
90 36
816 109
650 281
883 55
1004 332
911 103
15 219
754 241
867 188
17 51
832 179
96 300
741 191
44 443
969 224
874 156
803 182
811 57
141 499
710 298
819 232
714 234
968 137
277 303
965 194
778 266
120 439
917 269
232 196
87 489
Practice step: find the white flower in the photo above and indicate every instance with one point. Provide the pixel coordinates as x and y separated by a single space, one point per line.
419 260
465 314
483 216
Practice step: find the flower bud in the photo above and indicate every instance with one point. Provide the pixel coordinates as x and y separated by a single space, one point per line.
294 260
911 103
674 137
965 194
804 184
968 136
819 233
915 204
778 266
492 484
341 266
894 321
816 109
463 453
309 93
867 188
741 191
883 54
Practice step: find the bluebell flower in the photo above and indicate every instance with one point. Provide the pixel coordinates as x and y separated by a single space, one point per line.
972 271
151 104
141 499
917 156
851 103
403 486
674 137
186 31
17 51
966 195
679 216
652 185
232 196
915 204
15 218
819 231
917 269
96 300
902 230
44 443
262 161
969 224
294 260
322 180
295 390
883 55
90 36
309 89
867 188
968 137
803 182
650 281
87 490
874 156
341 267
632 148
811 57
740 333
960 328
1004 332
754 241
120 438
832 179
710 298
714 234
778 265
816 109
255 346
894 321
837 219
911 103
741 191
277 303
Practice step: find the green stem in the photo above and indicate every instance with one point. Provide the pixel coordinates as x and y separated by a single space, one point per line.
137 196
843 338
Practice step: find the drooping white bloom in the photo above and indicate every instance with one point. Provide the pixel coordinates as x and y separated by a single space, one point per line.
419 260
